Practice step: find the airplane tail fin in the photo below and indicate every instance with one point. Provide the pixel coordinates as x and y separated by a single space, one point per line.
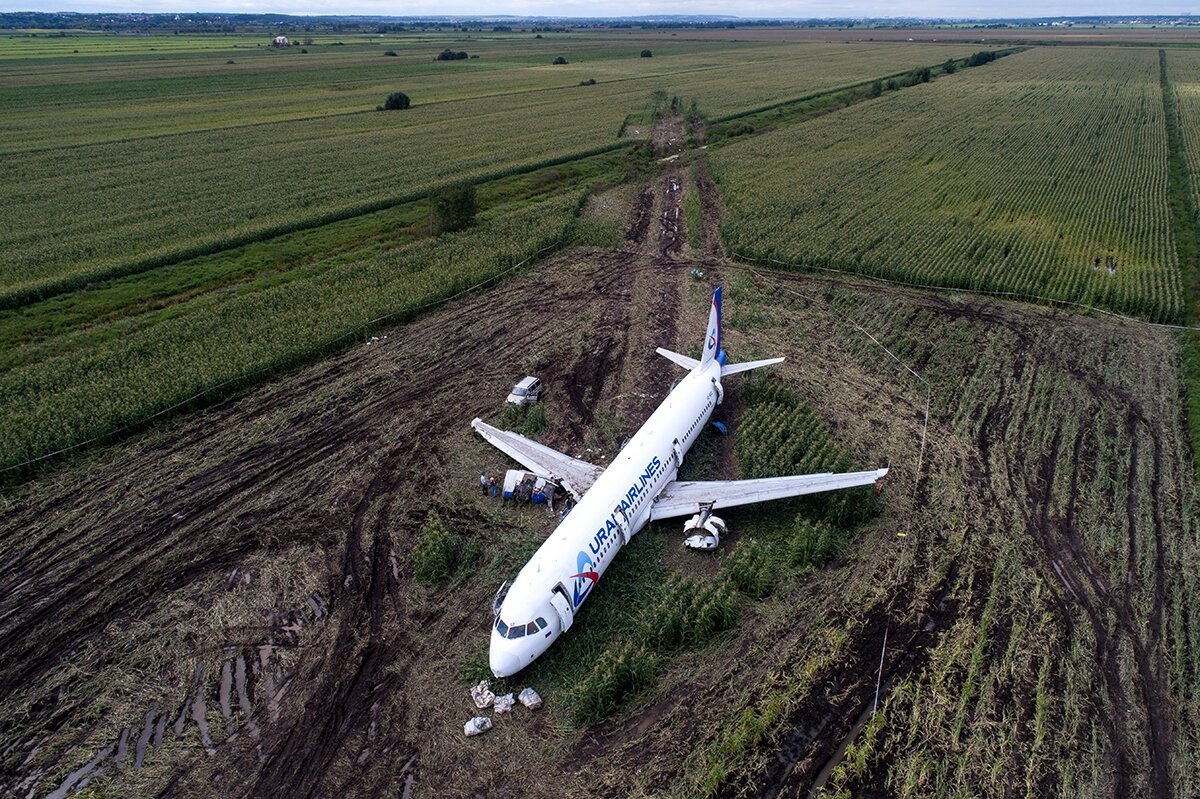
711 350
711 347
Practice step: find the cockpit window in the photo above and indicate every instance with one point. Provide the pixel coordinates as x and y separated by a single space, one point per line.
501 627
541 622
516 631
531 628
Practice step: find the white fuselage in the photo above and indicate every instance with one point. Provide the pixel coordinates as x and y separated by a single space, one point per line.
542 601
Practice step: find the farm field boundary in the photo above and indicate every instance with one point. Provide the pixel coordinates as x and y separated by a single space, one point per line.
934 69
1184 220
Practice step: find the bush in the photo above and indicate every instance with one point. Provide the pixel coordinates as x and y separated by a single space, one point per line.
454 207
390 52
535 421
981 58
751 569
450 55
559 60
588 82
690 613
621 673
647 54
433 556
813 544
397 101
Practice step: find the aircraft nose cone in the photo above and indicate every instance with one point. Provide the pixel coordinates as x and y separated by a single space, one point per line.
503 662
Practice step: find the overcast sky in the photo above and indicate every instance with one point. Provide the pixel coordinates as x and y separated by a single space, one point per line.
584 8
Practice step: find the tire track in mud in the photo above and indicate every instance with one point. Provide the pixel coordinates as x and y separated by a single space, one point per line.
1065 559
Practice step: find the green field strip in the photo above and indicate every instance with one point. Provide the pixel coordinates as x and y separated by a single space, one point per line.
16 299
141 369
104 312
1184 220
1010 193
199 193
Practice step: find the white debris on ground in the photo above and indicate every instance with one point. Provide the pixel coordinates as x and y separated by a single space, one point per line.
482 694
477 726
483 697
504 704
530 699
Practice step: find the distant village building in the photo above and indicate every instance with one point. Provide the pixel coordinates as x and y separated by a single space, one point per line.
280 41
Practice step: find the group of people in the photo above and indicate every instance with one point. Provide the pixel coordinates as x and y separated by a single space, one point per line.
524 492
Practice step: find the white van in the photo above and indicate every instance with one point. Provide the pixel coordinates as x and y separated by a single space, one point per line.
527 392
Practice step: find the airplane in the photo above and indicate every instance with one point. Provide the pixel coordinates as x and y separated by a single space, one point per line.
614 503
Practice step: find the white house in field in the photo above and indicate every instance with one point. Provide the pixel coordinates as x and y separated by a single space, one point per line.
280 41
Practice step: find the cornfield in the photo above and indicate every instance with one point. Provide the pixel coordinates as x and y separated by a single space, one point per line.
1043 174
219 342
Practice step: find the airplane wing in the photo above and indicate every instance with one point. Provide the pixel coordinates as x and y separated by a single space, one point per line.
684 498
571 473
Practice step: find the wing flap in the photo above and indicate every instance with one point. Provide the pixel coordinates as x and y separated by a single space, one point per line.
574 475
684 498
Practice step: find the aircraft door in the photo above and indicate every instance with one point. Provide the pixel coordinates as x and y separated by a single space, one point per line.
562 606
677 453
622 520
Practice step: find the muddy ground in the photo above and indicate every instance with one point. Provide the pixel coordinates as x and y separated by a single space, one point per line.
225 605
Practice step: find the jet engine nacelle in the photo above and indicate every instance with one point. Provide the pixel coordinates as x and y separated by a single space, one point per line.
703 531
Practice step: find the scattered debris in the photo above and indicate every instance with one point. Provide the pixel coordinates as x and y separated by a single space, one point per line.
530 699
696 273
477 726
482 694
504 704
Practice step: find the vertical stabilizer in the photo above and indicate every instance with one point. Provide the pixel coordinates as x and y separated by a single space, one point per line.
711 347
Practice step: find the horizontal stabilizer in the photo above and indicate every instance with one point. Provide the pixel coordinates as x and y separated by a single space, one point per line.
734 368
684 498
682 360
574 475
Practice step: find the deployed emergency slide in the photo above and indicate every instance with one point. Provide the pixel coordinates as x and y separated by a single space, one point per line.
617 501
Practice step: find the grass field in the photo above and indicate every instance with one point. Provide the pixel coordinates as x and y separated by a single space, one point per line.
1043 174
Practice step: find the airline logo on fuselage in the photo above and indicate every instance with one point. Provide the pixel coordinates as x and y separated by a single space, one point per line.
587 577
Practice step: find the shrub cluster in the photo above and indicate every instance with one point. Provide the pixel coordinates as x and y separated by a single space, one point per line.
690 613
397 101
813 544
620 673
751 568
451 55
433 556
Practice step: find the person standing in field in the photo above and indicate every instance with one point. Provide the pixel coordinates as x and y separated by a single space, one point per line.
483 483
492 485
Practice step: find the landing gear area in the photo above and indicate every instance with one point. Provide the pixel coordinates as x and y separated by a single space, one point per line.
706 530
